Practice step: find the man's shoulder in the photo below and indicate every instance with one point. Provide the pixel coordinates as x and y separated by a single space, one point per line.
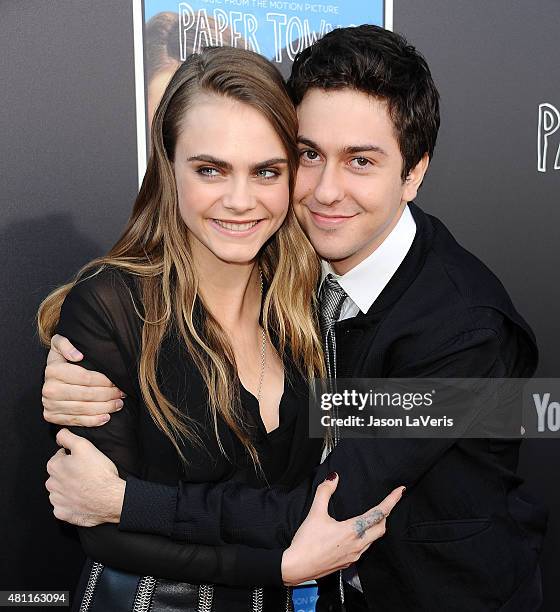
459 278
452 291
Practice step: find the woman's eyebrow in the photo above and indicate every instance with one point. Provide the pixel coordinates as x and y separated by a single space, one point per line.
211 160
270 162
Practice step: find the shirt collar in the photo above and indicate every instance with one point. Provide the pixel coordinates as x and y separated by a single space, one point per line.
364 283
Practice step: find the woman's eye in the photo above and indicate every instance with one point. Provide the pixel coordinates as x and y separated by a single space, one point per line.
208 171
267 173
360 162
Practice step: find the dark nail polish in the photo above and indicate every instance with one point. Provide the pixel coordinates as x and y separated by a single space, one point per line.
331 476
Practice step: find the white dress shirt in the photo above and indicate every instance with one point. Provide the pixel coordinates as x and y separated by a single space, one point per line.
364 283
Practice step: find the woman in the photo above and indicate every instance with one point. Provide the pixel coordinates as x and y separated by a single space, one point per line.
198 315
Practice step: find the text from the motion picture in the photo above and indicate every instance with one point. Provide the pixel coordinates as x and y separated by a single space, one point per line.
549 121
218 26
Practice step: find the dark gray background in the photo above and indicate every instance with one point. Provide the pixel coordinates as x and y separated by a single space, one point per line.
68 180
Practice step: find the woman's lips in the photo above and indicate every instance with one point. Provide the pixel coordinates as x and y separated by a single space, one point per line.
236 228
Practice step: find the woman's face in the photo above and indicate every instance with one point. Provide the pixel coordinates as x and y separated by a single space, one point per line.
232 179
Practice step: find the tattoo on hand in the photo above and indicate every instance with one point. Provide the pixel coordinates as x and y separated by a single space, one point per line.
361 525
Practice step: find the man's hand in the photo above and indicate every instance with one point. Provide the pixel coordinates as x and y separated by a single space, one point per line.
84 487
73 395
322 545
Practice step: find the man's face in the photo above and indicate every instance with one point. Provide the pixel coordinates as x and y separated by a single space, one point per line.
349 192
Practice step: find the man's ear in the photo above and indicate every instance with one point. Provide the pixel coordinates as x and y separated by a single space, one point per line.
414 179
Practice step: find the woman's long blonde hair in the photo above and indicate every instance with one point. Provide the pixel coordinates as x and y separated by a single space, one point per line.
155 248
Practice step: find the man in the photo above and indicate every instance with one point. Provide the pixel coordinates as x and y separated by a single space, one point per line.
399 299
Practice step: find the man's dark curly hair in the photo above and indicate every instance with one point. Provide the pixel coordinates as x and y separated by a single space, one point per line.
382 64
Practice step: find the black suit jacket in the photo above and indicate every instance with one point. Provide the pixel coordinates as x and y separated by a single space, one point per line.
463 537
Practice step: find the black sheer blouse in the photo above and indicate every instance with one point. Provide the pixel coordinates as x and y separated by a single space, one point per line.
100 316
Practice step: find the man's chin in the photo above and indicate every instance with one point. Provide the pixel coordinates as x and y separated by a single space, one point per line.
327 247
332 255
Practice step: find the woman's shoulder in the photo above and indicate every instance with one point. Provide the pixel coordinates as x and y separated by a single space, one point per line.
112 292
99 316
106 281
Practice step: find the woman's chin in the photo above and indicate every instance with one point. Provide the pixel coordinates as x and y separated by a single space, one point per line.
238 256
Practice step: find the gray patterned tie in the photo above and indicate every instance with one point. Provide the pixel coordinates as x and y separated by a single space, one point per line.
331 298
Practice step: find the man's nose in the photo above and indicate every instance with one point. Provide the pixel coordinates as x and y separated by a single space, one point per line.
329 190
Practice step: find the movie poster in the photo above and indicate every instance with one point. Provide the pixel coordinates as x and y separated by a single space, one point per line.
166 32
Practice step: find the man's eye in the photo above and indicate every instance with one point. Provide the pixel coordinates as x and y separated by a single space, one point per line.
207 171
309 155
360 162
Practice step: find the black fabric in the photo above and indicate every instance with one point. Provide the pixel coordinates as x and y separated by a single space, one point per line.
443 314
329 598
100 316
140 494
354 601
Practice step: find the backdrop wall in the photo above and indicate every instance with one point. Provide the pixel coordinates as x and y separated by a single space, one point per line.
68 180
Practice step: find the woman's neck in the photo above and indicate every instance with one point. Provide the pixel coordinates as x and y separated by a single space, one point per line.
231 291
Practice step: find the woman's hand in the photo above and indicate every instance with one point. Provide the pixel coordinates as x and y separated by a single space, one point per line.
322 545
73 395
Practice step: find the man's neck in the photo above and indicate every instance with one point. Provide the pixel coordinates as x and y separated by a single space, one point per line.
343 266
364 282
